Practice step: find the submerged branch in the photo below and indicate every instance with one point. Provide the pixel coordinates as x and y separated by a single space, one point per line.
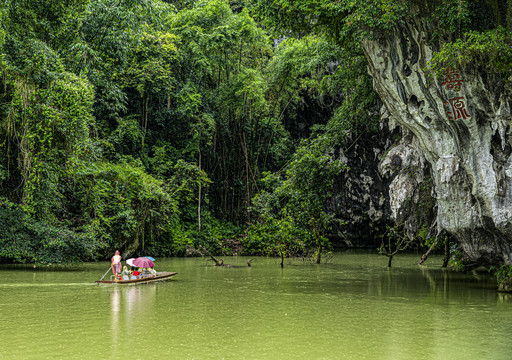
206 252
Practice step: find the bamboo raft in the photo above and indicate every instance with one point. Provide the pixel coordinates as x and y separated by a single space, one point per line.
160 276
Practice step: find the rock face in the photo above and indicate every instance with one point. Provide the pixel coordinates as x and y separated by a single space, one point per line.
387 184
461 123
410 188
360 198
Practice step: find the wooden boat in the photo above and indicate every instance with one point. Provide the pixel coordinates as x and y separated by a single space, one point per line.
160 276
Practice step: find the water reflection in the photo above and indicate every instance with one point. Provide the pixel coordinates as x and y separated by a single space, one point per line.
505 299
352 308
433 285
130 302
115 300
135 298
115 306
129 308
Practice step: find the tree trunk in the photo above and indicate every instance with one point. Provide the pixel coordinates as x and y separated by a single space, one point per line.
217 262
319 255
320 247
425 256
446 252
390 260
145 106
199 197
244 149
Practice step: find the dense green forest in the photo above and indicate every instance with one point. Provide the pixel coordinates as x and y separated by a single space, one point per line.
149 126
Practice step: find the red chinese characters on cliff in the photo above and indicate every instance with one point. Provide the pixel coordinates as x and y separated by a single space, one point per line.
459 108
453 81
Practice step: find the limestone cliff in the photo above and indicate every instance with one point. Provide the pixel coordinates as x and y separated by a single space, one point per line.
410 187
461 123
388 183
360 200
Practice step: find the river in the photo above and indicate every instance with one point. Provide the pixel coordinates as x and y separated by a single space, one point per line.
353 307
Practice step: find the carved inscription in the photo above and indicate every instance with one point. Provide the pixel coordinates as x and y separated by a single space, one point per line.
453 81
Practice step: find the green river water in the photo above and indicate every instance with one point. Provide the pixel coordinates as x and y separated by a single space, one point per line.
350 308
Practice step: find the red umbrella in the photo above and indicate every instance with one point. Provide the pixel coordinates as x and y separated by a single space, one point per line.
143 262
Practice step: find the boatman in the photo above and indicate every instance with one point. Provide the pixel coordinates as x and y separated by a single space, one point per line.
116 265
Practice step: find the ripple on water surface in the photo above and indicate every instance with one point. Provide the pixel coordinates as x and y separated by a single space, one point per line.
352 308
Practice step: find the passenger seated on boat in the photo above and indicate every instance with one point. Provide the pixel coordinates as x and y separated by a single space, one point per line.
147 273
152 271
135 275
126 274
